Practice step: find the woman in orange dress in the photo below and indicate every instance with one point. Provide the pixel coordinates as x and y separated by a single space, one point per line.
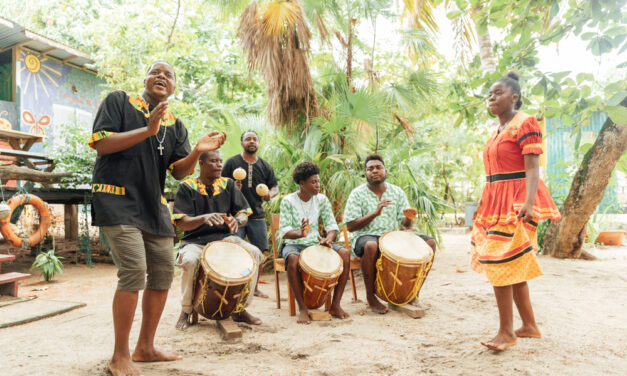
504 240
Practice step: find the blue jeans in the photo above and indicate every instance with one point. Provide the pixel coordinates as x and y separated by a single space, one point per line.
257 233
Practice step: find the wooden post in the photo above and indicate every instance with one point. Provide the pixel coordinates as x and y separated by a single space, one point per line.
70 222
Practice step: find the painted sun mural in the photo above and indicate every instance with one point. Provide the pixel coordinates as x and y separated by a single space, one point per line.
38 74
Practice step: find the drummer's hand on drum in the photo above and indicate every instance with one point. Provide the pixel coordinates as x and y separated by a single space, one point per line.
214 219
232 224
325 242
382 204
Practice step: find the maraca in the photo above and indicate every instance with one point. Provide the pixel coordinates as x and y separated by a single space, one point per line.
239 174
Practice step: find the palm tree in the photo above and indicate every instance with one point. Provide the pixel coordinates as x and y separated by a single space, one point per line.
276 38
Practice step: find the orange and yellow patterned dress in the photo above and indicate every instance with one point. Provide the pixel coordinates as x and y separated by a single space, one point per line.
502 248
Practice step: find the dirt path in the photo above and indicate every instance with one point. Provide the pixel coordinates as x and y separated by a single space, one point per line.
580 307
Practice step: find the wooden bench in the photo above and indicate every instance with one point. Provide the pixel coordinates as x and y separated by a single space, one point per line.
8 281
27 158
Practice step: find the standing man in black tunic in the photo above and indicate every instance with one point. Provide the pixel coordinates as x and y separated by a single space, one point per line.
258 172
138 139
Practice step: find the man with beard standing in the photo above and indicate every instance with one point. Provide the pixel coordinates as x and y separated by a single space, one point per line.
258 172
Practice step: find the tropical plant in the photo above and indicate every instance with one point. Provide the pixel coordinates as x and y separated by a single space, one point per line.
48 264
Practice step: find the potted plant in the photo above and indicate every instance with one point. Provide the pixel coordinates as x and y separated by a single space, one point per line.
48 264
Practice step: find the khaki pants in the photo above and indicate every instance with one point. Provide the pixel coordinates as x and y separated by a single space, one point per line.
141 256
188 259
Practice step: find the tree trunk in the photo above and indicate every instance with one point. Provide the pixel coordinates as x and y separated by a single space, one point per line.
349 53
485 45
565 237
22 173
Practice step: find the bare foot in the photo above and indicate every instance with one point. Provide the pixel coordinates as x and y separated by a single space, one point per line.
123 367
528 332
376 306
338 312
500 342
260 294
414 302
246 317
303 317
183 322
154 355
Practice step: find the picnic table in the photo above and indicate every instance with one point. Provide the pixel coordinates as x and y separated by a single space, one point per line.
19 154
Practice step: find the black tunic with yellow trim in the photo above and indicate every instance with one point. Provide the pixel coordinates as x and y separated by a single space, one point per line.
193 198
128 185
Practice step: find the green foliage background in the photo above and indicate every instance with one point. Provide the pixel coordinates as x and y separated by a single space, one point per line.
425 114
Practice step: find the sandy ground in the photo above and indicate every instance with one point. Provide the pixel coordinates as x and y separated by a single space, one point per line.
580 307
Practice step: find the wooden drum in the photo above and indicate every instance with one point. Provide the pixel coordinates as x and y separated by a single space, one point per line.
222 283
402 267
320 268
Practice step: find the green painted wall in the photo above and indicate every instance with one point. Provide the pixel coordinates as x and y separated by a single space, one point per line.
560 143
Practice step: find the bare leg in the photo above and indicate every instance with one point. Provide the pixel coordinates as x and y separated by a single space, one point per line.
368 265
336 310
296 284
431 244
183 322
529 327
153 302
505 337
124 304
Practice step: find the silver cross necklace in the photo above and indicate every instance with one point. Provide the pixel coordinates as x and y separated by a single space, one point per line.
160 147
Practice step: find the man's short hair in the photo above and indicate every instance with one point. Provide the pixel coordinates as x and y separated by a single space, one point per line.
159 61
304 171
373 157
205 155
241 138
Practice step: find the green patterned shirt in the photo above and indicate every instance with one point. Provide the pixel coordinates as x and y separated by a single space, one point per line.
362 201
293 210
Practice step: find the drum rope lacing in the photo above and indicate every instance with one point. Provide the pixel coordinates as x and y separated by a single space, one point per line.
239 307
424 269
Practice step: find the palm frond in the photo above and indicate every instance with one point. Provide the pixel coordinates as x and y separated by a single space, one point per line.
277 40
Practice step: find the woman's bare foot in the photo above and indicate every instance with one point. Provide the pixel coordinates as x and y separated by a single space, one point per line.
183 322
123 367
500 342
376 306
154 355
246 317
260 294
338 312
303 317
528 331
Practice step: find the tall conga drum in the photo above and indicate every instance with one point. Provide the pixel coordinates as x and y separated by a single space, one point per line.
320 268
402 267
222 281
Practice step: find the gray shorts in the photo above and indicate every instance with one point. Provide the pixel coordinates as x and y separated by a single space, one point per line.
143 260
296 249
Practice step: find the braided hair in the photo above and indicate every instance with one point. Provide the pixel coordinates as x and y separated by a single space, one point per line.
511 79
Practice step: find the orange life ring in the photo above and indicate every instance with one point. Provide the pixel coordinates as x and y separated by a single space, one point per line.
44 221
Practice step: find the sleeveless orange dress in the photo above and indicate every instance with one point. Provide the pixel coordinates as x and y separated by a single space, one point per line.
503 248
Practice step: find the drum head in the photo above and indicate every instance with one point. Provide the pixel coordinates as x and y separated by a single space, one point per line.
229 260
405 245
320 259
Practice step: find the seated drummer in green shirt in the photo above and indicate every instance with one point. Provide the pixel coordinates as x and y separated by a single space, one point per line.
300 213
371 210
